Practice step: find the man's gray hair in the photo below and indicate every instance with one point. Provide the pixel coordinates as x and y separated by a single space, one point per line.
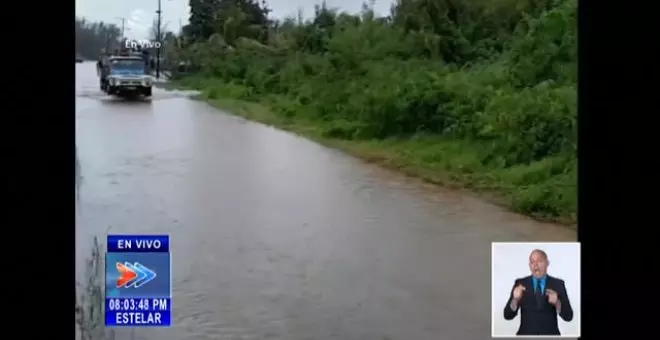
543 253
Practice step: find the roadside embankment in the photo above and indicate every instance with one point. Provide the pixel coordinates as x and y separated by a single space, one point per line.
488 104
546 189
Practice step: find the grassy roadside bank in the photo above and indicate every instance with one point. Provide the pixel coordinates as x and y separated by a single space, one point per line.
543 190
470 94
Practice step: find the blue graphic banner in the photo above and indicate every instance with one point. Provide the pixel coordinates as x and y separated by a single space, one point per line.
138 312
138 243
138 287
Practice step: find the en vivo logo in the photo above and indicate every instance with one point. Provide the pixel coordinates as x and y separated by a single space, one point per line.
142 44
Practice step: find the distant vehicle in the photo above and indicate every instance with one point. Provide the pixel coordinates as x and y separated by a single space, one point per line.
79 59
124 75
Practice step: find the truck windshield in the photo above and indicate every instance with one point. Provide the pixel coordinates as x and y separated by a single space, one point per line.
127 64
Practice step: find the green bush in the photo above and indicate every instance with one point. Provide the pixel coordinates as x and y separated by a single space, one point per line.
499 77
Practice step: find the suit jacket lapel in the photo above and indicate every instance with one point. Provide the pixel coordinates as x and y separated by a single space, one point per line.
551 283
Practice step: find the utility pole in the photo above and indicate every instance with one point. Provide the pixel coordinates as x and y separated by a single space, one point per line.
158 39
123 25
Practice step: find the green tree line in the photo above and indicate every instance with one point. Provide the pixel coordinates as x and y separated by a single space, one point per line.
91 37
478 93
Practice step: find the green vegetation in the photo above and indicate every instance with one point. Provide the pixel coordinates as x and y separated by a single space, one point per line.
477 94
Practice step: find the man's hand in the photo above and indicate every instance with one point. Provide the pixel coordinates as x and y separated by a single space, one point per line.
518 292
553 299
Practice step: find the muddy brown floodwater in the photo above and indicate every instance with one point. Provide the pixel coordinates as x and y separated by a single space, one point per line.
276 237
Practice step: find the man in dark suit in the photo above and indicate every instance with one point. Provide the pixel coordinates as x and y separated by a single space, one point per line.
540 298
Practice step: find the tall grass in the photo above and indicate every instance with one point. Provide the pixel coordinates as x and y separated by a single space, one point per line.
90 299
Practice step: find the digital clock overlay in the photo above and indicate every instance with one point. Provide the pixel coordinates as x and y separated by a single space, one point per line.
138 284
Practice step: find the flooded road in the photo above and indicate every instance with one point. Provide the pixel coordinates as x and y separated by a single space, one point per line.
275 237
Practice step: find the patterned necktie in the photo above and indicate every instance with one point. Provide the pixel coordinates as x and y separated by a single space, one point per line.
538 294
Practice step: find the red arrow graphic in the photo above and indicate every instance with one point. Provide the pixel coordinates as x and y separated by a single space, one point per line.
126 275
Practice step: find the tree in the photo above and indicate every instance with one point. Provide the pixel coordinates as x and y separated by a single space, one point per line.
202 15
92 37
155 30
230 18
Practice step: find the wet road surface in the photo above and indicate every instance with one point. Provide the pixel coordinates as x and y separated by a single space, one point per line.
275 237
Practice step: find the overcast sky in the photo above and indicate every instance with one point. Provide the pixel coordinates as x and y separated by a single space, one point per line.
140 13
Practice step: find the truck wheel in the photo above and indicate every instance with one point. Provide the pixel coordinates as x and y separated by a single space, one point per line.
111 89
147 92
